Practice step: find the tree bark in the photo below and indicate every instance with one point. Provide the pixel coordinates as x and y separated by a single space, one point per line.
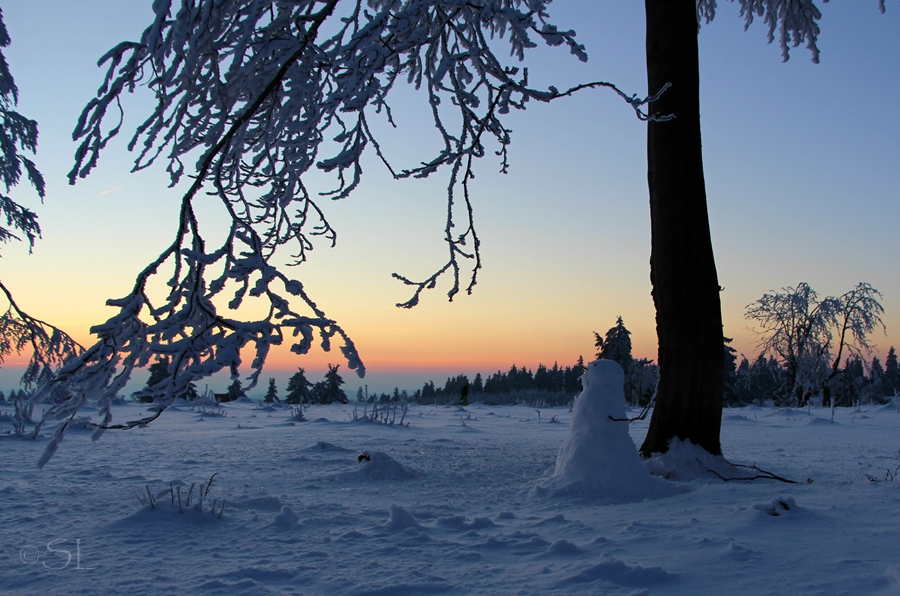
682 266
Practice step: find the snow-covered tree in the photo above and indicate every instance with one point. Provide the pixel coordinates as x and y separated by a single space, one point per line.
271 393
298 389
801 330
191 393
235 390
329 391
640 375
49 346
478 383
616 345
159 374
876 380
891 384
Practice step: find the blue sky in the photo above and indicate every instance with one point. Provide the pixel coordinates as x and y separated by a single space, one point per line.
800 164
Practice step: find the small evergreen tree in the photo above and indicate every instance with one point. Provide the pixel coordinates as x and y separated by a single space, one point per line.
330 391
478 384
429 393
159 373
876 380
271 393
730 355
616 346
572 377
298 389
190 394
235 390
891 383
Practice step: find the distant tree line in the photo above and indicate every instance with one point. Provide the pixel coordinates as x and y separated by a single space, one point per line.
553 385
548 385
767 380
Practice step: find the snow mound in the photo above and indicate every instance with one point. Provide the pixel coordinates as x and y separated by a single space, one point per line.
401 520
164 513
323 446
814 421
686 462
461 523
612 570
379 466
599 460
286 518
778 507
564 547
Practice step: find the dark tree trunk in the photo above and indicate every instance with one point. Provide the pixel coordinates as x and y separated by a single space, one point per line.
682 266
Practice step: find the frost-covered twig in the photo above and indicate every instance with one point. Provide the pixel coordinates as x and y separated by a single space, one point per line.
644 410
50 347
209 484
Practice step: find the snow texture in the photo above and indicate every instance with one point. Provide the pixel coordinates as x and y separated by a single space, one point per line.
599 460
302 515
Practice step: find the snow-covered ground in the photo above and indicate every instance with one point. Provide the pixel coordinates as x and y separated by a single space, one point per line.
446 505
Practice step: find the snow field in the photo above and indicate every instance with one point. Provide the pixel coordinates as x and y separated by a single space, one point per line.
446 505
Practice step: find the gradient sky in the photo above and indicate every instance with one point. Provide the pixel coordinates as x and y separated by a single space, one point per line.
801 166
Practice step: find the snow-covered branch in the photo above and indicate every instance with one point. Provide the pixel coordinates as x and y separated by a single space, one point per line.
793 21
251 92
49 346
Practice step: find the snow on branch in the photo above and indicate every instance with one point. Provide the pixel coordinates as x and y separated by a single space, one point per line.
17 133
810 335
796 21
50 347
259 95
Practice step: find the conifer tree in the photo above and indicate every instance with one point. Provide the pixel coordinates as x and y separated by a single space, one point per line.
478 384
876 379
159 373
730 362
617 345
891 383
190 394
331 391
298 389
235 390
271 393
